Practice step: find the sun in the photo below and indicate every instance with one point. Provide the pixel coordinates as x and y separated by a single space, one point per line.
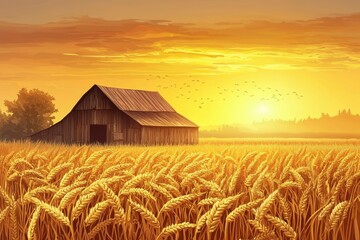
263 110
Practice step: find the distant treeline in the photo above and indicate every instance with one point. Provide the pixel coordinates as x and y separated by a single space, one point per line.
343 125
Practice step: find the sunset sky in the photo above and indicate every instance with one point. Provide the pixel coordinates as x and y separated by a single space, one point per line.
216 62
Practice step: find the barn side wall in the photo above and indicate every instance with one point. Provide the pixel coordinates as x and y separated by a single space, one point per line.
53 134
169 135
75 128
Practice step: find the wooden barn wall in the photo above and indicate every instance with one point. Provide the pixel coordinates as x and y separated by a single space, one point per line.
75 128
169 135
94 99
133 131
52 134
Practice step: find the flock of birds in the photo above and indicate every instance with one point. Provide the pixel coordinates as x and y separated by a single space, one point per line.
189 91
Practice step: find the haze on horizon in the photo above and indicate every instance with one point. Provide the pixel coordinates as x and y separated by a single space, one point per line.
216 62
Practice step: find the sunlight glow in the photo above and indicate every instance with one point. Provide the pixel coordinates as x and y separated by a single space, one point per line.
263 110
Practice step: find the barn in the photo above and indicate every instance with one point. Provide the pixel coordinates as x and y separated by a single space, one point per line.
108 115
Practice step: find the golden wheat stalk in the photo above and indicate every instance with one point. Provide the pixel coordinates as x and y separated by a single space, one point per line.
137 180
214 187
145 213
23 174
14 227
20 161
217 210
82 203
97 167
241 209
266 236
178 202
96 155
282 226
326 210
303 204
250 179
259 180
161 190
65 181
258 225
8 200
4 213
70 196
208 201
298 178
95 186
115 169
175 228
175 192
40 190
350 181
138 191
285 207
202 221
100 227
289 184
115 201
338 214
63 191
56 170
97 211
32 224
264 207
51 210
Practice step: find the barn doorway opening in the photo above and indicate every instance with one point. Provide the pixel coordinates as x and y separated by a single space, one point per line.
98 133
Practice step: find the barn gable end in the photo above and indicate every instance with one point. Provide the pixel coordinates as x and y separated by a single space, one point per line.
94 99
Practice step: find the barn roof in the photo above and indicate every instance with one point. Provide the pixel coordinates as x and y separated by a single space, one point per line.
161 119
146 107
136 100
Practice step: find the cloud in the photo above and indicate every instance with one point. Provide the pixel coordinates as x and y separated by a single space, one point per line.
81 43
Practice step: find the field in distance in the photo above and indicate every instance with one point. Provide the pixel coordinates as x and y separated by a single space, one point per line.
219 189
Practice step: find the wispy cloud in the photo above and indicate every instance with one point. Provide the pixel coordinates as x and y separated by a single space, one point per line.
89 43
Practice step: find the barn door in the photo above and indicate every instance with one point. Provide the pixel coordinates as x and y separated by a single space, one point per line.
98 133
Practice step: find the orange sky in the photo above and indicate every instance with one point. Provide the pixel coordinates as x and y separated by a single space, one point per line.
214 70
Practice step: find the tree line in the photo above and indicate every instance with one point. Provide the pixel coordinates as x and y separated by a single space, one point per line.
29 113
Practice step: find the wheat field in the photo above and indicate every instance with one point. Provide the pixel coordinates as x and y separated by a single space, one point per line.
215 190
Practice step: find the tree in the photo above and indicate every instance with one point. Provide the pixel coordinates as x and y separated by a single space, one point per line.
31 112
3 121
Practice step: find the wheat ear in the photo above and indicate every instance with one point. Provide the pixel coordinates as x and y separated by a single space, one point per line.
4 213
241 209
145 213
96 211
258 226
177 202
115 201
338 214
70 196
282 226
99 227
32 224
51 210
174 228
140 191
202 221
264 207
217 211
56 170
81 204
